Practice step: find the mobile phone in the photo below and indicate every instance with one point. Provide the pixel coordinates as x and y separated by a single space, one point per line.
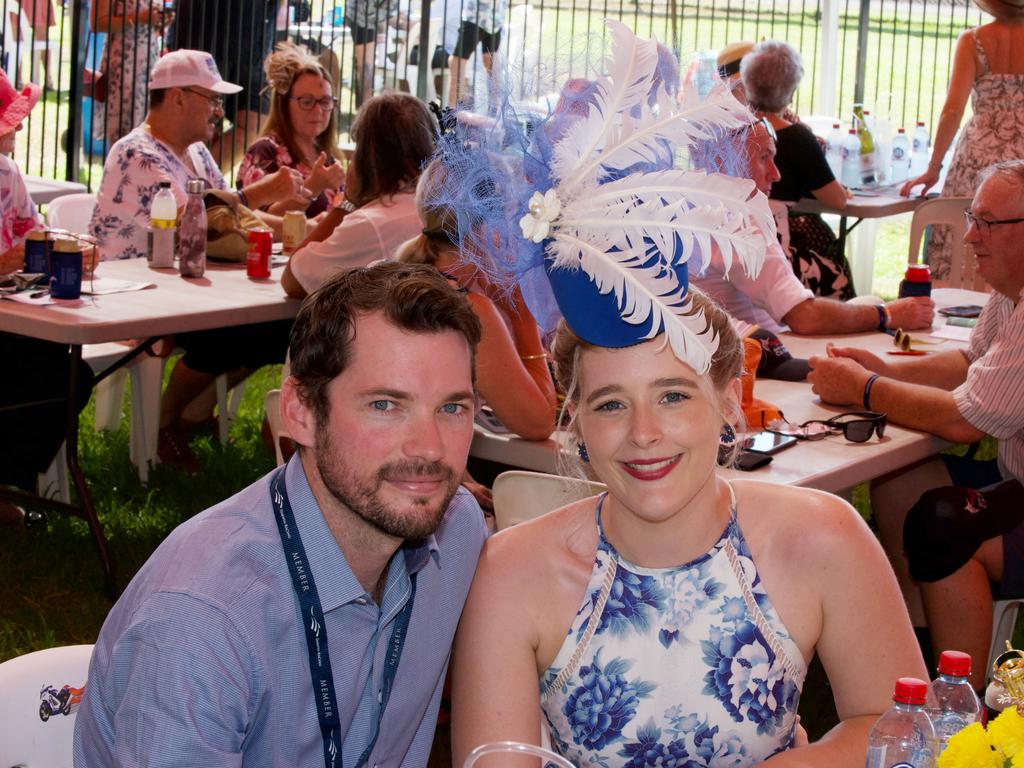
964 310
748 461
768 442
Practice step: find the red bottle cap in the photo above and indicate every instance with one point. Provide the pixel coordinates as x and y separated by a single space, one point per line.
955 664
910 690
919 273
901 130
920 122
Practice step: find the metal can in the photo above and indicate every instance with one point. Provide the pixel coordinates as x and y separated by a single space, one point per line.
293 231
38 246
66 274
257 262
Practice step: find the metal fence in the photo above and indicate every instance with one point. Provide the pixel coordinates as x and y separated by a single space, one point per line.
893 55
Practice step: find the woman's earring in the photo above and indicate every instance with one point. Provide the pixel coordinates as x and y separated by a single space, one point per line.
581 449
728 436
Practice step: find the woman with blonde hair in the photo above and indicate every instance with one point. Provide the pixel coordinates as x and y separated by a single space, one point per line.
988 66
511 365
300 132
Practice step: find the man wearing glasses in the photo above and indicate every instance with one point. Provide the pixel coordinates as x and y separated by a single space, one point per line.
185 106
963 528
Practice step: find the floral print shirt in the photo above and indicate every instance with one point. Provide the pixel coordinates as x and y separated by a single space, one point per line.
131 177
18 213
266 155
687 667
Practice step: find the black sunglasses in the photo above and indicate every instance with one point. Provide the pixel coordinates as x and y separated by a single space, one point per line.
855 426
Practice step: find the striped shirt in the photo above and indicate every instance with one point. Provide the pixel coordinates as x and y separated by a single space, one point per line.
992 397
203 660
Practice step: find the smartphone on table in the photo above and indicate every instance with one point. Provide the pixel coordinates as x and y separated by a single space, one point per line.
768 443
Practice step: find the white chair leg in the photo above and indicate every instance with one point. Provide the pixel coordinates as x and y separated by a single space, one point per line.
53 483
110 401
228 404
147 380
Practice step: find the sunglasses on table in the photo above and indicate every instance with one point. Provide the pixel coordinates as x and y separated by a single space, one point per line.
855 426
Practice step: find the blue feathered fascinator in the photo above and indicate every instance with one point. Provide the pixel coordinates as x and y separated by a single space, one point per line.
585 211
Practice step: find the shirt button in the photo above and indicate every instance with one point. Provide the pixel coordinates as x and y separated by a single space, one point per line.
361 601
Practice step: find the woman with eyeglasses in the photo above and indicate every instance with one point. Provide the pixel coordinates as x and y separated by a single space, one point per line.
300 132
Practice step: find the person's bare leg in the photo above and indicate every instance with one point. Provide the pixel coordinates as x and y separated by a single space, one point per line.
201 407
959 608
364 55
456 85
229 146
892 496
184 386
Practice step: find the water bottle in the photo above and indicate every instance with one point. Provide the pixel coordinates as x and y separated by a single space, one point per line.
919 156
850 175
900 157
834 150
192 241
952 704
163 218
917 281
903 736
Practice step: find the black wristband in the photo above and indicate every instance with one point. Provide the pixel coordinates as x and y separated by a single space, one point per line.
867 390
242 198
883 317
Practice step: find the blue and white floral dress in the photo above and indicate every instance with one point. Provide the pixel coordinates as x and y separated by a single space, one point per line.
687 666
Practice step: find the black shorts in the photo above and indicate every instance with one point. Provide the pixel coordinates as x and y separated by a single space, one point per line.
470 35
239 34
361 35
221 350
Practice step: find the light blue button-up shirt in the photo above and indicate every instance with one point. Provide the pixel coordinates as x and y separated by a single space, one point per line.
203 661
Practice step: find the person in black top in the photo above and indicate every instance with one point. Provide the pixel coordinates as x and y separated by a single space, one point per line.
771 73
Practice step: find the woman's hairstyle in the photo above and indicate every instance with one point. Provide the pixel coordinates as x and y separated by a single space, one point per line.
440 222
726 364
1001 9
771 73
283 67
394 135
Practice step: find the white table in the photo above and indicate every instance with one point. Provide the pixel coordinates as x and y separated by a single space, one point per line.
833 464
223 297
43 191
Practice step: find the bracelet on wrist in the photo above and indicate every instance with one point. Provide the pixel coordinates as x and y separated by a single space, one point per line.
243 198
541 356
347 206
884 317
867 390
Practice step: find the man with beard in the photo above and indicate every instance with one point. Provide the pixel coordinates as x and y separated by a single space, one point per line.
309 618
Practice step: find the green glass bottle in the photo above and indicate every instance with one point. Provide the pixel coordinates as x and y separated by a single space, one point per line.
868 155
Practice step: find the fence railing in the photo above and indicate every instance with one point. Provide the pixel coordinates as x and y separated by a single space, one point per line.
892 54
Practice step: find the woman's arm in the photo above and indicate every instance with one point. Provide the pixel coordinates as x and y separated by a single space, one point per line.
965 70
512 370
832 195
865 639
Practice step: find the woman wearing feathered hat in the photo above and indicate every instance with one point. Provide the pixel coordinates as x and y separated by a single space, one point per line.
671 620
988 66
18 213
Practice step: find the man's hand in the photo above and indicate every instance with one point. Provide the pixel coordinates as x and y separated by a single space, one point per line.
325 176
912 313
862 357
838 380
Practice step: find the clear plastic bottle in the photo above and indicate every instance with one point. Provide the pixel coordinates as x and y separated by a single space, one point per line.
900 157
163 219
921 151
834 150
192 240
903 736
850 175
952 703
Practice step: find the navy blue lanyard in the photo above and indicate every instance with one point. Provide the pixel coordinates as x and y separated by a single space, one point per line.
316 632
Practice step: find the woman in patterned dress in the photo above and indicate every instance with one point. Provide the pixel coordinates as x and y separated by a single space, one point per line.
134 30
300 132
671 620
988 66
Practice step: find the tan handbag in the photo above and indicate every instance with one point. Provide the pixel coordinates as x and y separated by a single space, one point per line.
227 226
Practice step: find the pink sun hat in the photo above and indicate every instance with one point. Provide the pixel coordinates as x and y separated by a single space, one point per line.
14 106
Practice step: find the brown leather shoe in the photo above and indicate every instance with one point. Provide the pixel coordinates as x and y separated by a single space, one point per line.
173 448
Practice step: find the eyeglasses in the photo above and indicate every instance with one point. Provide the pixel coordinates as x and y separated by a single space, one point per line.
768 127
855 426
308 102
216 102
985 225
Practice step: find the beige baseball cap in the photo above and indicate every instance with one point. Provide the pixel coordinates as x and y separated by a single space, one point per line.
184 68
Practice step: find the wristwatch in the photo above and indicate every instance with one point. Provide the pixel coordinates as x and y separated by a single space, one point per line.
347 206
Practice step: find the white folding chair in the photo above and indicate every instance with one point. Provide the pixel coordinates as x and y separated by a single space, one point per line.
948 211
272 407
72 212
40 700
520 496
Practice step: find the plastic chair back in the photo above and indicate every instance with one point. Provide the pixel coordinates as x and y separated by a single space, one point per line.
520 495
72 212
947 211
41 695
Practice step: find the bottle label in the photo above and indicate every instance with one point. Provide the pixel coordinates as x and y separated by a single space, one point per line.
898 153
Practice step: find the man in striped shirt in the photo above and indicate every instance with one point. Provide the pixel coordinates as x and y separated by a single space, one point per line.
965 525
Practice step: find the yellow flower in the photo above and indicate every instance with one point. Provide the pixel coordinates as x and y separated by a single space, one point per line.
1007 732
970 748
